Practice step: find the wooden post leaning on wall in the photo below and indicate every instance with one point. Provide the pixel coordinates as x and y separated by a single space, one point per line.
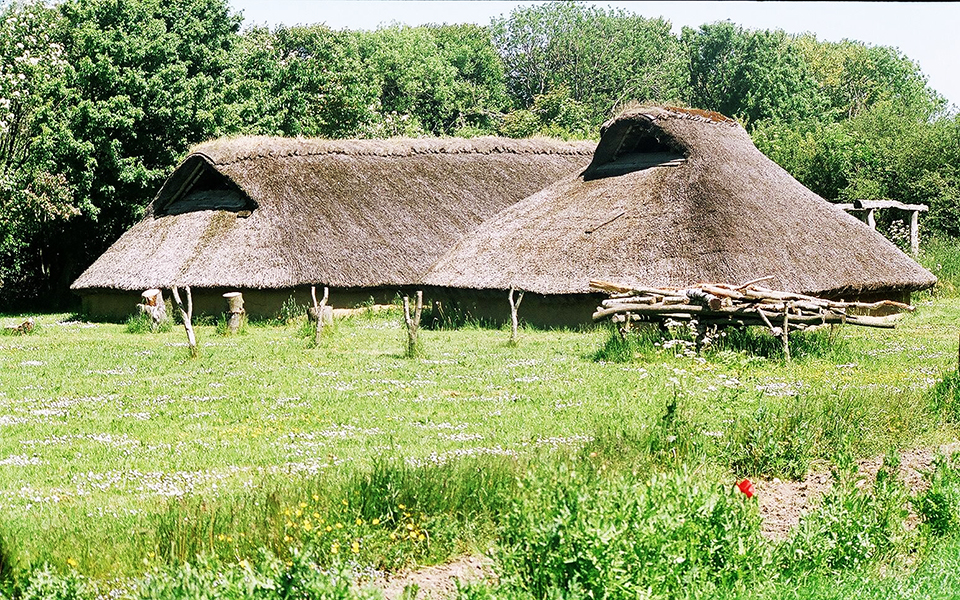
413 323
514 308
186 313
318 313
152 305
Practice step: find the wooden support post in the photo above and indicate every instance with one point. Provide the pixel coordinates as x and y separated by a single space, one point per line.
152 304
413 323
186 312
234 311
786 333
318 312
514 308
915 232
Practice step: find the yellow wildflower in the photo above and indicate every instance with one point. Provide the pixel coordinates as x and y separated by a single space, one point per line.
355 547
359 521
316 498
375 522
303 505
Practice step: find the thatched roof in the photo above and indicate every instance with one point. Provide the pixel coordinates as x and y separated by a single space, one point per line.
266 212
674 197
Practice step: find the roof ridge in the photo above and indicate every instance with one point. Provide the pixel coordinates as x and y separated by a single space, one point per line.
432 146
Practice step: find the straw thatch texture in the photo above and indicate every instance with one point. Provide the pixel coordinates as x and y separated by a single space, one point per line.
270 213
674 197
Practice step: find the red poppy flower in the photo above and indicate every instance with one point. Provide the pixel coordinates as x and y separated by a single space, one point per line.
746 487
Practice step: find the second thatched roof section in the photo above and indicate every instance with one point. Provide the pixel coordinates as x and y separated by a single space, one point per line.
674 197
273 213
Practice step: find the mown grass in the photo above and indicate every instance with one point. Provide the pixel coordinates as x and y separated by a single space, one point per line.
120 454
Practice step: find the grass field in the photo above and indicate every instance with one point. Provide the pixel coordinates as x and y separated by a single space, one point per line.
120 455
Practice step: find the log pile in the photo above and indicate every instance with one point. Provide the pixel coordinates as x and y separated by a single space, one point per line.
709 306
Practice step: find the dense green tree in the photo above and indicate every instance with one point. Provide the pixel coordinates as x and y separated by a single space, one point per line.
479 86
300 81
554 114
852 76
603 57
752 75
33 188
142 80
876 154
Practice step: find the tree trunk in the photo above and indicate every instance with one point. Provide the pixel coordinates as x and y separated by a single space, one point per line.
235 311
514 308
318 313
413 323
187 314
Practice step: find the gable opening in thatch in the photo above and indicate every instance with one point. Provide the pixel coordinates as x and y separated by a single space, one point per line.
634 146
201 187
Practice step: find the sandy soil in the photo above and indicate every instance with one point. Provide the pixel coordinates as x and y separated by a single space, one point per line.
782 503
439 581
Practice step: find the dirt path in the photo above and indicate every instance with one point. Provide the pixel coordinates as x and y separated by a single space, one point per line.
439 581
782 503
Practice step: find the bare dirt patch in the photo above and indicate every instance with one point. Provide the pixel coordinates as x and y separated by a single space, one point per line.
439 581
782 503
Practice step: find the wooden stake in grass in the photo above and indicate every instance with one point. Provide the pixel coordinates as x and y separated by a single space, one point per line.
234 311
187 314
514 307
413 324
786 334
316 312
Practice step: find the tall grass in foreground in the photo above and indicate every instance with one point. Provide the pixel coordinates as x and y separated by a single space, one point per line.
572 529
387 517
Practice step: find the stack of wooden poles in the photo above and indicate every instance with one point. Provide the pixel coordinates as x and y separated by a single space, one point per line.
709 306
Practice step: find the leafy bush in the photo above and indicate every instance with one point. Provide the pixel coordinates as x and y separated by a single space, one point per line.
48 584
578 535
852 527
771 444
939 505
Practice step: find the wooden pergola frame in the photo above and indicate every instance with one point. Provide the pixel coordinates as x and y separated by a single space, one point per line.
864 209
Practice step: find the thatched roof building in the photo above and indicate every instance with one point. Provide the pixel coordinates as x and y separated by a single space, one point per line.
272 214
674 197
